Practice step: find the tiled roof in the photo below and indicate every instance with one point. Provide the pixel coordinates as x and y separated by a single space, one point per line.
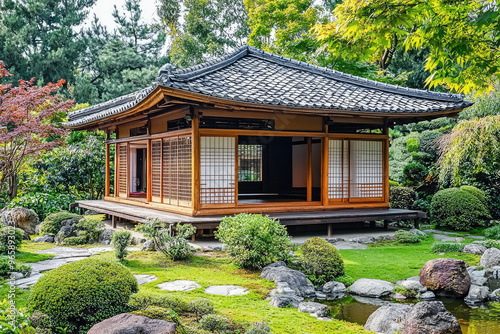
254 76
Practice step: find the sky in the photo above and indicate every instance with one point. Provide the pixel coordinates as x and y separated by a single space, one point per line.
104 8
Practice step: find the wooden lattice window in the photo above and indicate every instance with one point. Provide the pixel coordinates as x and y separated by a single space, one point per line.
177 167
366 169
156 155
249 163
217 170
338 169
122 170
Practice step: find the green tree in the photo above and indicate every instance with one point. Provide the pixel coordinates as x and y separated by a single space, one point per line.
40 38
461 37
205 29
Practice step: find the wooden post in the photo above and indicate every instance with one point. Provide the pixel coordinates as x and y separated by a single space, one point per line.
324 171
117 153
128 170
330 230
417 222
195 162
386 224
149 163
385 144
113 221
106 191
309 169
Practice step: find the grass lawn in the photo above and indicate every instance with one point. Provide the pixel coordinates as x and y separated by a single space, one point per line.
217 269
393 262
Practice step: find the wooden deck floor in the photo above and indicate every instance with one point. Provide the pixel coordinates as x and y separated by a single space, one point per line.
140 214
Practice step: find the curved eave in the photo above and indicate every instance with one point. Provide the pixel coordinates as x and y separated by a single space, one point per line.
158 93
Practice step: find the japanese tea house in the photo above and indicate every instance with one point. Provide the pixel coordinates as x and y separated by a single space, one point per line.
255 132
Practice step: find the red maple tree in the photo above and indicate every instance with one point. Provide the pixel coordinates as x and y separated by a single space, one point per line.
28 124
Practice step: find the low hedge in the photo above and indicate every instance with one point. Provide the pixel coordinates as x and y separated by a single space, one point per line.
81 294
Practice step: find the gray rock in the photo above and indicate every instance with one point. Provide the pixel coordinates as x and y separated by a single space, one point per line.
127 323
495 296
206 249
376 288
284 288
478 277
37 229
398 296
320 295
314 309
443 237
25 219
226 290
388 319
474 249
334 288
281 301
179 285
477 294
370 300
459 239
28 282
143 279
416 231
276 264
430 318
476 237
427 295
490 258
45 238
105 237
362 240
66 231
413 285
90 213
296 280
447 277
148 246
349 245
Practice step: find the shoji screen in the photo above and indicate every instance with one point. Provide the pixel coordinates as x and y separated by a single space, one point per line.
176 162
338 169
366 169
217 170
156 155
122 170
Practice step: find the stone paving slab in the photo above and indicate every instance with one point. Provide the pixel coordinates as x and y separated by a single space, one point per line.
26 283
226 290
179 285
143 279
349 245
443 237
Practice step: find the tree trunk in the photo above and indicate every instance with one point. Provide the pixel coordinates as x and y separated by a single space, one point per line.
13 183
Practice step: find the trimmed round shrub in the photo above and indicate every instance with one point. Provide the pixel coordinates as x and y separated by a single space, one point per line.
254 241
478 193
52 223
14 235
81 294
458 209
214 323
401 197
321 261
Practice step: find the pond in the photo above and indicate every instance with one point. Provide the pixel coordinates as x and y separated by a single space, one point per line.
483 319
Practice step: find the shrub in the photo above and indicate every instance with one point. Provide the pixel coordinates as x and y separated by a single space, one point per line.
120 242
90 228
258 328
12 321
214 323
408 293
488 243
52 223
412 144
321 261
254 241
493 232
155 312
446 247
458 209
80 294
7 266
478 193
405 237
401 197
74 241
43 203
346 280
143 300
201 307
171 242
414 174
10 239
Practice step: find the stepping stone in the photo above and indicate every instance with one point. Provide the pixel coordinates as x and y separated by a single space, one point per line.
475 236
179 285
65 252
26 283
47 265
443 237
143 279
349 245
226 290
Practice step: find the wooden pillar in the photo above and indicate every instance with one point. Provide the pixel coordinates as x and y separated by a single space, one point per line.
117 153
324 171
386 224
417 222
309 169
113 221
149 163
106 191
330 230
128 170
195 162
385 144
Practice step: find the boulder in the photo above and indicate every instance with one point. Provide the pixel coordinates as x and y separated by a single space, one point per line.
148 246
22 218
477 294
413 285
105 237
478 277
367 287
495 296
282 301
490 258
127 323
427 295
314 309
296 280
66 231
334 288
388 319
45 238
474 249
447 277
430 318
